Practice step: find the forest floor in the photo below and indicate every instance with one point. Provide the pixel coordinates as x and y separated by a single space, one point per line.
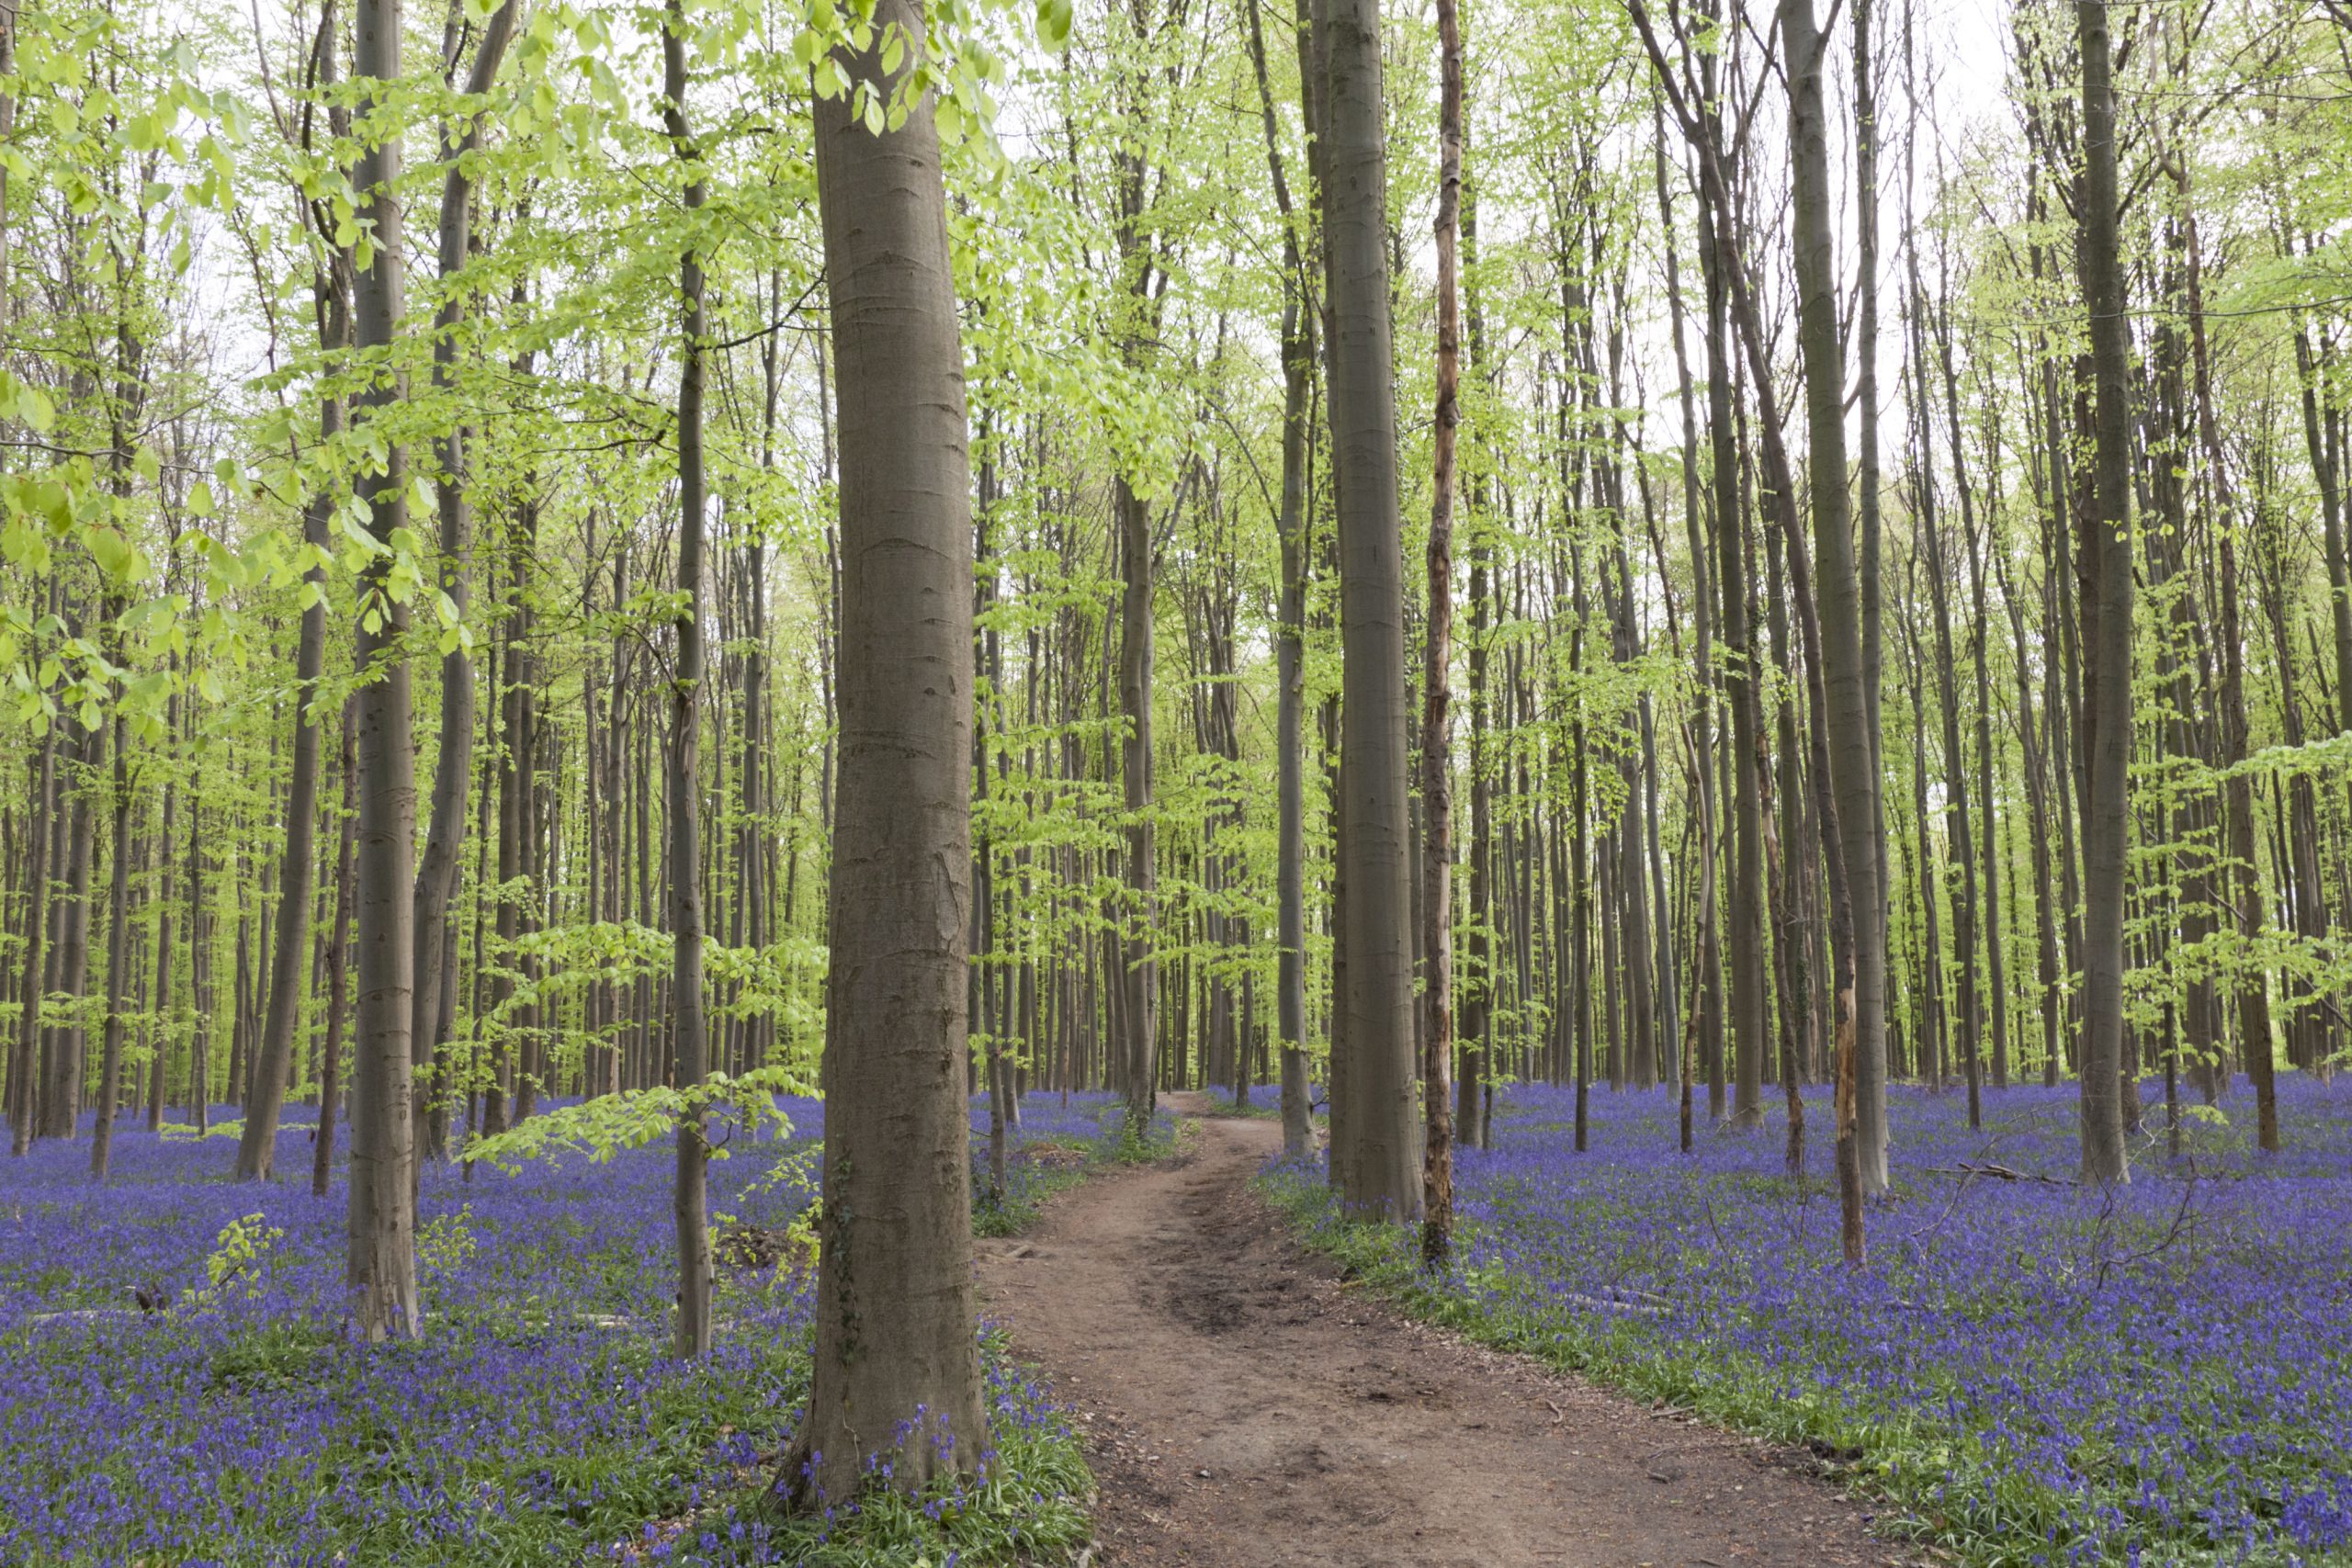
1242 1405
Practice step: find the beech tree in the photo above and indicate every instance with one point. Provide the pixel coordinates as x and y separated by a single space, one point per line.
895 1351
381 1266
1375 1148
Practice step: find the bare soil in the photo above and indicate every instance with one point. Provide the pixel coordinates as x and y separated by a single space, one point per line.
1243 1405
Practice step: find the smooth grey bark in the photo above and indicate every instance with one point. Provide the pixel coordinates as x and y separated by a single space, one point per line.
159 1027
118 951
1378 1167
1852 755
60 1100
895 1349
1290 523
1866 471
257 1144
199 931
338 964
1996 980
1706 1033
23 1089
2104 563
381 1262
1957 821
436 872
1749 970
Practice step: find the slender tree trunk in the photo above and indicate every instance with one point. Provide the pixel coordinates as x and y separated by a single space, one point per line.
1850 754
689 1201
1957 825
117 954
1437 724
1290 854
1704 1048
62 1100
257 1145
199 969
24 1085
1748 974
338 966
159 1029
436 872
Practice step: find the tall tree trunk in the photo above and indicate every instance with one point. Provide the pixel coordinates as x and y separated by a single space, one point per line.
1851 755
61 1103
24 1085
380 1267
1478 990
895 1348
2104 544
117 952
436 872
1866 472
1377 1170
689 1200
199 968
338 964
1956 824
1437 724
159 1027
1704 1051
1749 972
257 1144
1290 854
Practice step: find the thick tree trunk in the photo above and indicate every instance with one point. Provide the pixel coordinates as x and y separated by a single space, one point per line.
895 1346
2104 544
380 1267
1378 1167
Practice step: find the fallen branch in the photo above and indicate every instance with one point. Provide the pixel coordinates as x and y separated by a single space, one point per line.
1967 1170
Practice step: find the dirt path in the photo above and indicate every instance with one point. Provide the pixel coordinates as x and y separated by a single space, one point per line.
1243 1407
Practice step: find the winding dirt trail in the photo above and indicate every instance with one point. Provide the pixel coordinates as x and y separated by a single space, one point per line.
1242 1406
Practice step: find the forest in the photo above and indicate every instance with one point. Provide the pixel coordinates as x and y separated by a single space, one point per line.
914 782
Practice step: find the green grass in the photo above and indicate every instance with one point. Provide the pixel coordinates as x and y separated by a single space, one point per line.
1029 1509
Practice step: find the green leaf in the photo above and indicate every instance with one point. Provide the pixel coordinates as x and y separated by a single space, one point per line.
1054 20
